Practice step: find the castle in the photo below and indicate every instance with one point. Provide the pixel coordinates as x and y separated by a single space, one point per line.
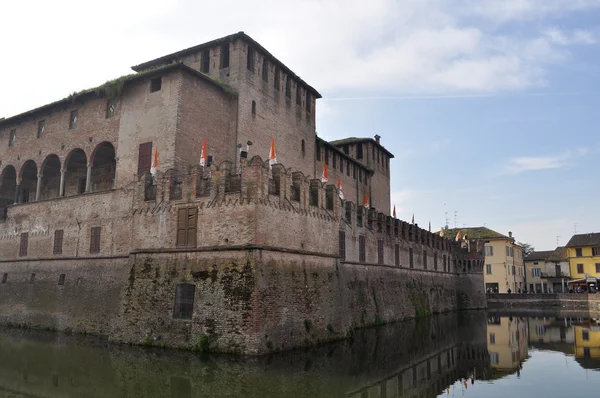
239 255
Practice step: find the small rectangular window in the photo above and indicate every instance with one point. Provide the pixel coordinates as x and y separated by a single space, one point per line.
397 254
12 138
327 156
489 250
23 244
579 252
41 128
265 70
362 258
225 55
585 335
110 108
492 338
58 241
250 59
187 224
488 269
380 251
334 160
341 165
349 166
359 150
342 245
73 119
205 59
411 259
155 84
144 157
354 172
95 239
308 101
61 279
184 301
580 268
276 79
597 267
4 278
595 251
318 152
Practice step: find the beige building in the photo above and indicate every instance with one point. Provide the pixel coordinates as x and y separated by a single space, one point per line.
507 343
504 268
547 271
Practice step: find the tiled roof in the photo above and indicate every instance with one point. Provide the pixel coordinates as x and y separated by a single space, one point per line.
591 239
474 233
539 256
355 140
560 253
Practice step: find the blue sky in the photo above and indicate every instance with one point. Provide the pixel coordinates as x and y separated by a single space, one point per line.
488 105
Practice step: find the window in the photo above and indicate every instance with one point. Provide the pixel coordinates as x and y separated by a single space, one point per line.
492 338
205 67
595 251
314 195
489 250
587 353
95 239
585 335
41 128
425 259
342 245
288 88
580 268
579 252
411 260
488 269
184 301
276 81
536 272
597 267
265 70
304 148
298 95
73 119
23 244
348 168
435 263
4 278
61 279
397 254
359 151
225 55
318 152
334 160
254 108
12 138
361 249
507 251
155 84
494 358
144 157
110 108
308 101
380 251
187 222
250 59
327 156
342 165
512 252
58 241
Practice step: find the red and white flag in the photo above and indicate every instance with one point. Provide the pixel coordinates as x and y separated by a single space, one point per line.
203 154
340 190
272 156
367 204
458 236
154 162
394 212
325 176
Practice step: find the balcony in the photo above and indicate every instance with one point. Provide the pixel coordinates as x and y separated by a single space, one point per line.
549 275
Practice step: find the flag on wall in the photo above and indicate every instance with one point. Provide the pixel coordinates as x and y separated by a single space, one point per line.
325 176
340 190
458 236
394 212
272 156
154 163
367 204
203 154
442 232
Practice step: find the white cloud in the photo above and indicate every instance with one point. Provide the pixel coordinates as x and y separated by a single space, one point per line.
577 36
534 163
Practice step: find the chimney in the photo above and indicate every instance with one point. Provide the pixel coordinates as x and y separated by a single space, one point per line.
377 137
509 234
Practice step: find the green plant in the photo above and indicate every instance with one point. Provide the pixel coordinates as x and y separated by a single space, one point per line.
330 328
204 343
307 324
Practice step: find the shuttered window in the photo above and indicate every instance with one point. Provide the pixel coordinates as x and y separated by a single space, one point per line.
58 241
24 243
362 257
380 251
187 221
343 245
145 157
95 239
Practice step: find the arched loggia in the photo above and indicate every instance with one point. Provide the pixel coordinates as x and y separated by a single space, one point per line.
103 167
8 185
75 180
50 181
27 188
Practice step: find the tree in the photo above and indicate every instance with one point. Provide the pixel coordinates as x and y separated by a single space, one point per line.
527 248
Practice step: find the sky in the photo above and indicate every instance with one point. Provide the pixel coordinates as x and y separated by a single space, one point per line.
490 106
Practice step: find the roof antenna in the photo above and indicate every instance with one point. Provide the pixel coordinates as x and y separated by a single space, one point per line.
575 228
557 239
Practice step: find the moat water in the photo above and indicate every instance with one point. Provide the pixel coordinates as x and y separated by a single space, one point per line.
473 354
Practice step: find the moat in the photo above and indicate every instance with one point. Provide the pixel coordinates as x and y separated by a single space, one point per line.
472 354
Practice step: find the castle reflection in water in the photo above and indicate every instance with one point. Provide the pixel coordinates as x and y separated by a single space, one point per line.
427 358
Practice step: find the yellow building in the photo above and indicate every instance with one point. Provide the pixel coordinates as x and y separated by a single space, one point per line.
587 340
504 267
584 255
507 343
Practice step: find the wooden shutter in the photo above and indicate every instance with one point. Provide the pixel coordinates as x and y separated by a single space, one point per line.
192 222
187 221
144 157
181 226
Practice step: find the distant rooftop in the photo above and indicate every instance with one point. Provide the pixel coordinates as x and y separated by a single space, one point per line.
591 239
474 233
539 256
356 140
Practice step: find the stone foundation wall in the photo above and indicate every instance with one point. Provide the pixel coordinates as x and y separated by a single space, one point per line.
563 301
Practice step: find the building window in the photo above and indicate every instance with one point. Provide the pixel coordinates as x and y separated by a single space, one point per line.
288 88
205 61
587 353
579 252
225 55
304 148
250 59
425 259
507 251
580 268
73 119
95 239
254 108
308 101
492 338
4 278
489 250
348 168
61 279
298 95
488 269
314 195
12 138
155 84
380 251
184 301
595 251
435 263
334 161
585 335
597 267
110 108
318 152
359 150
397 254
327 156
23 244
362 257
41 128
411 259
276 81
187 222
342 245
341 165
58 241
265 70
144 157
494 358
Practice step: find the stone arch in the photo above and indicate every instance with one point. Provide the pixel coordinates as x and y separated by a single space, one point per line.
28 176
75 169
104 166
8 185
50 181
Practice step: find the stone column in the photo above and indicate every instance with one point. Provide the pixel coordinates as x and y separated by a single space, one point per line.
38 188
88 178
61 189
17 186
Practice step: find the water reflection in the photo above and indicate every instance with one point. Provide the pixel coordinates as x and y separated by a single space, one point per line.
507 344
